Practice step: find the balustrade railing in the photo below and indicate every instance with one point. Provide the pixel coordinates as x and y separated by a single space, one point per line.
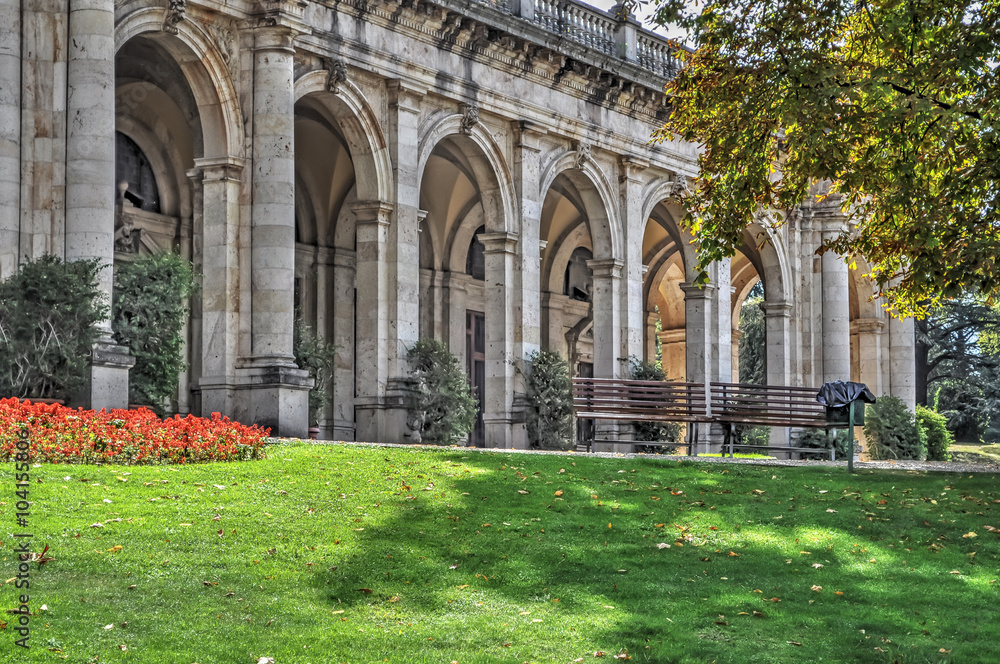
581 23
657 55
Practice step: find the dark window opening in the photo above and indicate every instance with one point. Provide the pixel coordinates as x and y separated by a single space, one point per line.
133 168
475 261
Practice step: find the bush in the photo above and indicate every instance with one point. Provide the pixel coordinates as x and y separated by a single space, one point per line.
445 408
818 438
148 308
935 427
656 432
316 356
550 398
49 311
57 434
892 431
758 436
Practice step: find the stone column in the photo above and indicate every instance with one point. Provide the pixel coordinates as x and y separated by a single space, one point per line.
344 316
902 365
10 135
735 334
277 390
90 180
722 323
836 306
630 197
554 326
869 335
372 326
526 171
777 330
501 254
219 182
606 308
673 350
651 337
456 308
699 310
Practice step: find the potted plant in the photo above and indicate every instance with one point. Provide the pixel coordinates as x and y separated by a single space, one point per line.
49 311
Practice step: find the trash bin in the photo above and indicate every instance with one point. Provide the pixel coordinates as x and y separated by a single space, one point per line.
845 407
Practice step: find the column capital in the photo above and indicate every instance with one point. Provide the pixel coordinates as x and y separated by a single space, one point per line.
868 325
277 23
778 309
696 291
606 267
405 95
631 167
366 212
217 168
344 258
528 134
495 243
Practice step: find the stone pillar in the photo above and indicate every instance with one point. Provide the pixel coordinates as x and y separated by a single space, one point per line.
501 254
606 308
344 316
372 323
277 390
722 323
869 336
735 334
630 191
651 337
777 330
836 308
526 171
456 308
673 350
902 365
219 182
626 33
10 135
90 180
554 326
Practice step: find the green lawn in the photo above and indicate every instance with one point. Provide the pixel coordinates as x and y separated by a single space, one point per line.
346 554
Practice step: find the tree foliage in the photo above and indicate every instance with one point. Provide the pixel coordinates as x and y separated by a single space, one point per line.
935 427
890 108
753 342
317 356
445 408
892 432
148 308
550 397
49 311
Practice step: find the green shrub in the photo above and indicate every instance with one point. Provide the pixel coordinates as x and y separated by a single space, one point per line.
445 409
49 311
935 427
892 431
317 356
148 308
657 432
819 439
550 398
759 436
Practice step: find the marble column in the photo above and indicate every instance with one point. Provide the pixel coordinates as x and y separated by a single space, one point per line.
90 180
219 183
344 316
651 337
10 135
735 334
607 308
633 317
526 171
455 295
673 350
372 326
699 310
553 325
501 255
276 389
777 330
902 364
869 336
836 310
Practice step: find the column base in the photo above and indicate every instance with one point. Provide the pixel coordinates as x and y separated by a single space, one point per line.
386 419
276 397
499 432
107 377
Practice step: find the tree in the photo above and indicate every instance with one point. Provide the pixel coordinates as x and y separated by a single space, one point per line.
444 408
753 343
148 309
889 108
549 389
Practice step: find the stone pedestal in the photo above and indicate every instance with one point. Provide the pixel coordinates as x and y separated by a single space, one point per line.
107 377
902 363
276 397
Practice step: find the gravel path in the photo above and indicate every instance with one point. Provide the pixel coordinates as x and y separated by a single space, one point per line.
914 466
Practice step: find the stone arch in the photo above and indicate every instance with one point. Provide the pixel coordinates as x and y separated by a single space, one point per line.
492 174
556 266
598 198
662 191
207 75
366 140
773 260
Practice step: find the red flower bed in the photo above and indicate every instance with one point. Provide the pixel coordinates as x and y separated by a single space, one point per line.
58 434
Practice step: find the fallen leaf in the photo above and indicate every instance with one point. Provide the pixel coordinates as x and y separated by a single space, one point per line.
662 545
817 565
265 660
461 587
793 643
365 590
817 588
97 525
558 493
523 492
109 627
969 535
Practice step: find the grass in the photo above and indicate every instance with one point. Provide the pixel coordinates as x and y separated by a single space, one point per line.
350 554
975 452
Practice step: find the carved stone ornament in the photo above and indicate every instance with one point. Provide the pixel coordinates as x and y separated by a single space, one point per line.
582 154
175 14
336 74
126 235
679 186
470 118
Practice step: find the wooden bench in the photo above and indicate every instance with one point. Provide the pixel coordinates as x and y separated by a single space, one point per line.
726 404
735 404
640 401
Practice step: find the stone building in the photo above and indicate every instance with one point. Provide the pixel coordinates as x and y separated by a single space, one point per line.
479 171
